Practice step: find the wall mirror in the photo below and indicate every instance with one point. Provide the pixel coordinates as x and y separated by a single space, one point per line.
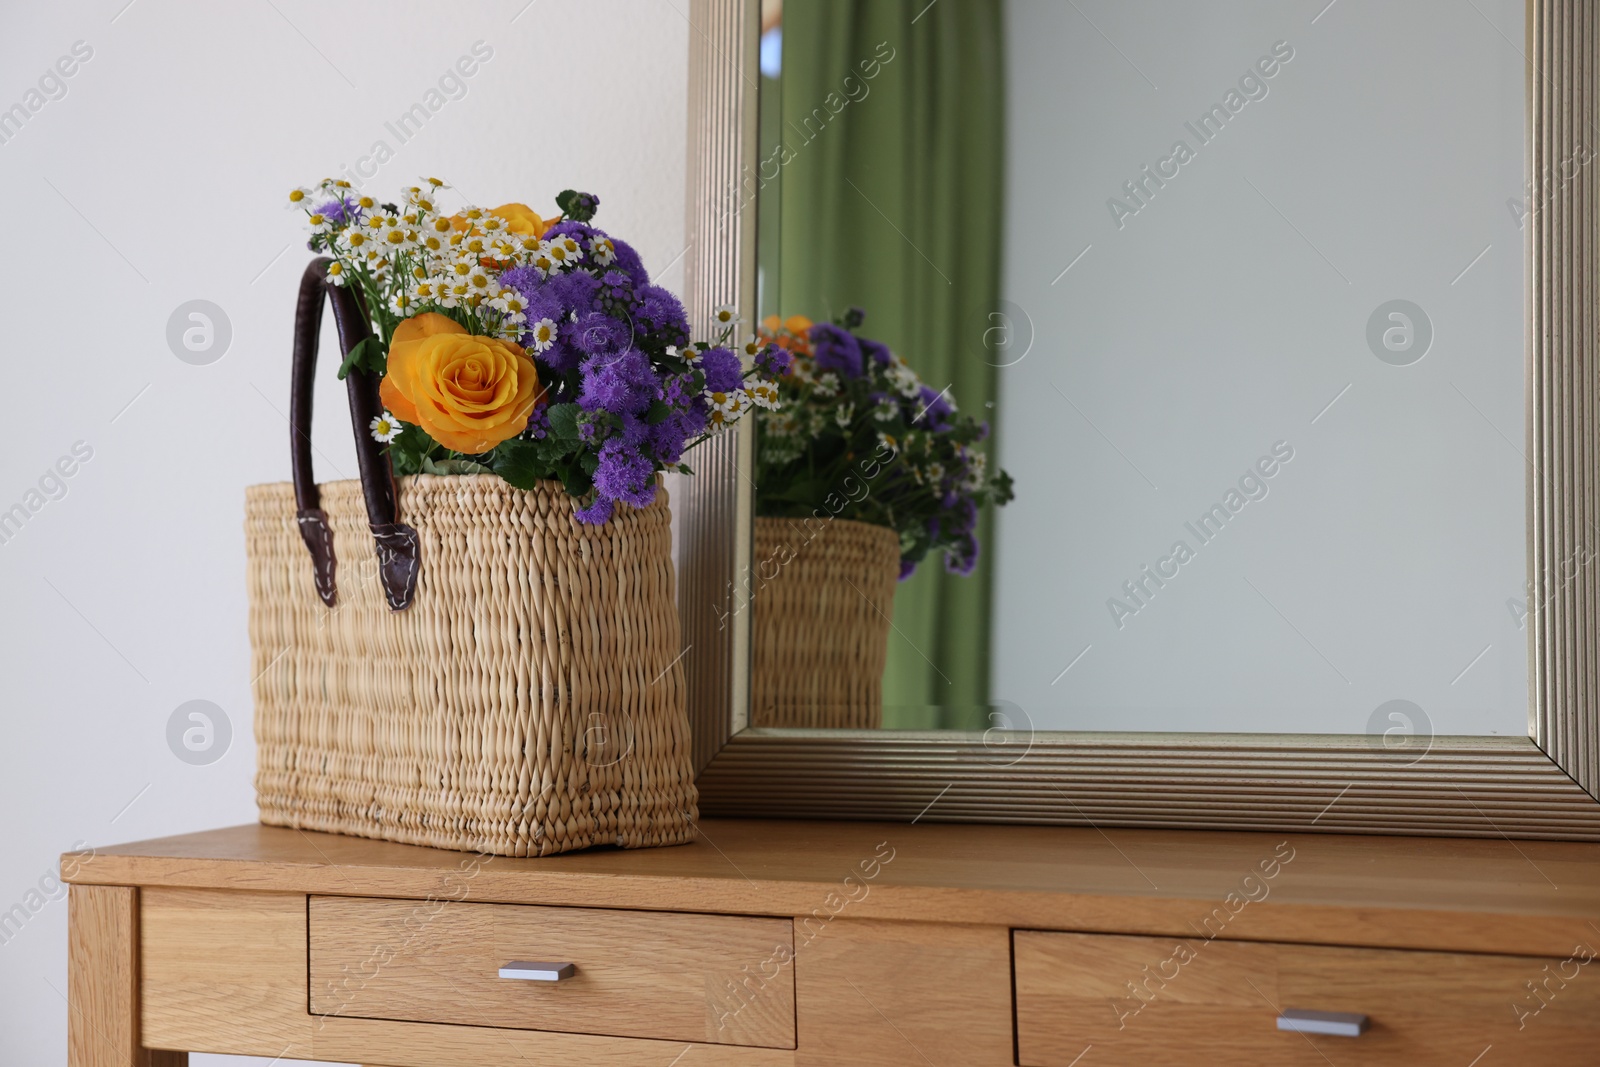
1191 418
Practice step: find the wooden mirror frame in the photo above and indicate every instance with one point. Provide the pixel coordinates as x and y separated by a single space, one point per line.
1540 786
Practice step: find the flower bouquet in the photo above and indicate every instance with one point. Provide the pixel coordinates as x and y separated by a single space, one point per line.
503 673
864 472
528 347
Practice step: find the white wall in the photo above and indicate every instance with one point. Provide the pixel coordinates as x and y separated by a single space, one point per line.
158 179
1222 318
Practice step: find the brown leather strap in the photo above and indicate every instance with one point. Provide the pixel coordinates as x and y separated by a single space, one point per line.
396 542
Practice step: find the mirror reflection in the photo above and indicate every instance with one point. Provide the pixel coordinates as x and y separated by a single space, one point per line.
1156 367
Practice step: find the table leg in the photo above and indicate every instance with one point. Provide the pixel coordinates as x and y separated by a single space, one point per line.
103 981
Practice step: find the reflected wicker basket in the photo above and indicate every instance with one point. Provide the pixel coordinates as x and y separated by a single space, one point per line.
823 601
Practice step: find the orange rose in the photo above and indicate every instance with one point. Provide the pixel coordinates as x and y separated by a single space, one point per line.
521 218
468 392
792 333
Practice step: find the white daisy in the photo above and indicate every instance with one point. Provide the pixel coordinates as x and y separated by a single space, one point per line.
337 273
726 315
603 251
543 334
843 415
299 197
827 384
385 428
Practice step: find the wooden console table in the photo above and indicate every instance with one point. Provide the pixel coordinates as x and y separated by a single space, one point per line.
808 944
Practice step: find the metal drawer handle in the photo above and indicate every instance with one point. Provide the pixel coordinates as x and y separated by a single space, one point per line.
1337 1023
530 971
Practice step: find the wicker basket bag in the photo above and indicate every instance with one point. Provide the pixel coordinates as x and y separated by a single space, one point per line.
822 614
489 675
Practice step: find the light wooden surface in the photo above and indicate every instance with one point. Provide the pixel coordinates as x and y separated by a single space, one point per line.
661 975
1139 1001
1523 897
899 994
103 981
226 971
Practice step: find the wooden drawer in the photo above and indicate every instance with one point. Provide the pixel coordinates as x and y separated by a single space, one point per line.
723 979
1145 1000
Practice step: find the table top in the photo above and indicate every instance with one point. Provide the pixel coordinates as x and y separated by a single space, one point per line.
1531 897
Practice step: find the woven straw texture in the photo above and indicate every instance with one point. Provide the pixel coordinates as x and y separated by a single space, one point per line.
528 702
823 599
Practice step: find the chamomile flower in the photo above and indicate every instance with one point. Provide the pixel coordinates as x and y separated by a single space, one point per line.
726 315
385 428
319 222
357 242
602 251
763 395
401 304
337 274
558 254
844 415
888 441
511 304
543 335
689 354
479 282
435 183
886 410
472 214
299 197
425 290
827 384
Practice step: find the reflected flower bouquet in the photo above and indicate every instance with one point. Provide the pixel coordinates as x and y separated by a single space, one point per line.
528 347
851 399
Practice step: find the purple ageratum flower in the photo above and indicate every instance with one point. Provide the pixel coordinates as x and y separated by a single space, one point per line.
934 411
561 357
538 423
616 294
907 569
598 334
625 474
629 261
661 315
722 370
622 385
340 210
669 436
835 349
963 559
877 350
597 513
773 361
576 290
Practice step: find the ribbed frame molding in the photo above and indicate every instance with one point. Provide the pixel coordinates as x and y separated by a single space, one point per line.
1563 538
1527 787
713 508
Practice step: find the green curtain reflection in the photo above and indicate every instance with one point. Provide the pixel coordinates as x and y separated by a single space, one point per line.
882 153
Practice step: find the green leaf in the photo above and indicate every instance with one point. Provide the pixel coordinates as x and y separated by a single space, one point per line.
453 466
658 413
410 450
368 355
521 463
564 422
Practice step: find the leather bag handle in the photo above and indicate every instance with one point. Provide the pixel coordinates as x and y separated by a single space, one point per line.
396 542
